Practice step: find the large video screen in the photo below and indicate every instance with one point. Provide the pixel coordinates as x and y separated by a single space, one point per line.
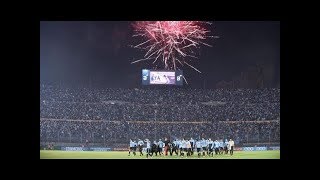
152 77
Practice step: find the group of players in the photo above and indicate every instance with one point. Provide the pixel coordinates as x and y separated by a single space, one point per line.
182 147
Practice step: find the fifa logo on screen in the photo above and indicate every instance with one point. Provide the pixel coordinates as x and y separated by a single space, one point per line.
145 72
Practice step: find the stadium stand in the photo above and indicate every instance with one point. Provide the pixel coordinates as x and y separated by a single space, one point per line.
113 116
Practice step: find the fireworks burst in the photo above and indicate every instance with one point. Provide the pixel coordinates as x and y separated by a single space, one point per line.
172 42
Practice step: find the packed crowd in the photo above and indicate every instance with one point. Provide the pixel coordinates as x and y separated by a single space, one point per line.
150 95
164 105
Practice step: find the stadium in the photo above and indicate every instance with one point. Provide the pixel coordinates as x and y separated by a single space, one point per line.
88 112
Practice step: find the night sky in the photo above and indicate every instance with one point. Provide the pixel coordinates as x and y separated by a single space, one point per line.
99 52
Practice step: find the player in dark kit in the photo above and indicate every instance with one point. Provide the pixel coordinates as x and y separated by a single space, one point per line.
154 148
192 145
170 148
210 147
140 146
174 147
226 146
166 146
134 147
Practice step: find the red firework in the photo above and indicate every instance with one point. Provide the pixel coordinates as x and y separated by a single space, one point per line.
170 41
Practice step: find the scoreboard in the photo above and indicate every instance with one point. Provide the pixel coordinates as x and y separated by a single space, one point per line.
163 77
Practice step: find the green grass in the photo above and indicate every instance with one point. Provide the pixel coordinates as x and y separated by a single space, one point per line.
54 154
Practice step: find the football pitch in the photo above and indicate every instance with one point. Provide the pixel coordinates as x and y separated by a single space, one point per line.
55 154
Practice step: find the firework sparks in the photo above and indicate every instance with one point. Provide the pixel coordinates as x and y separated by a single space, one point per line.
170 41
